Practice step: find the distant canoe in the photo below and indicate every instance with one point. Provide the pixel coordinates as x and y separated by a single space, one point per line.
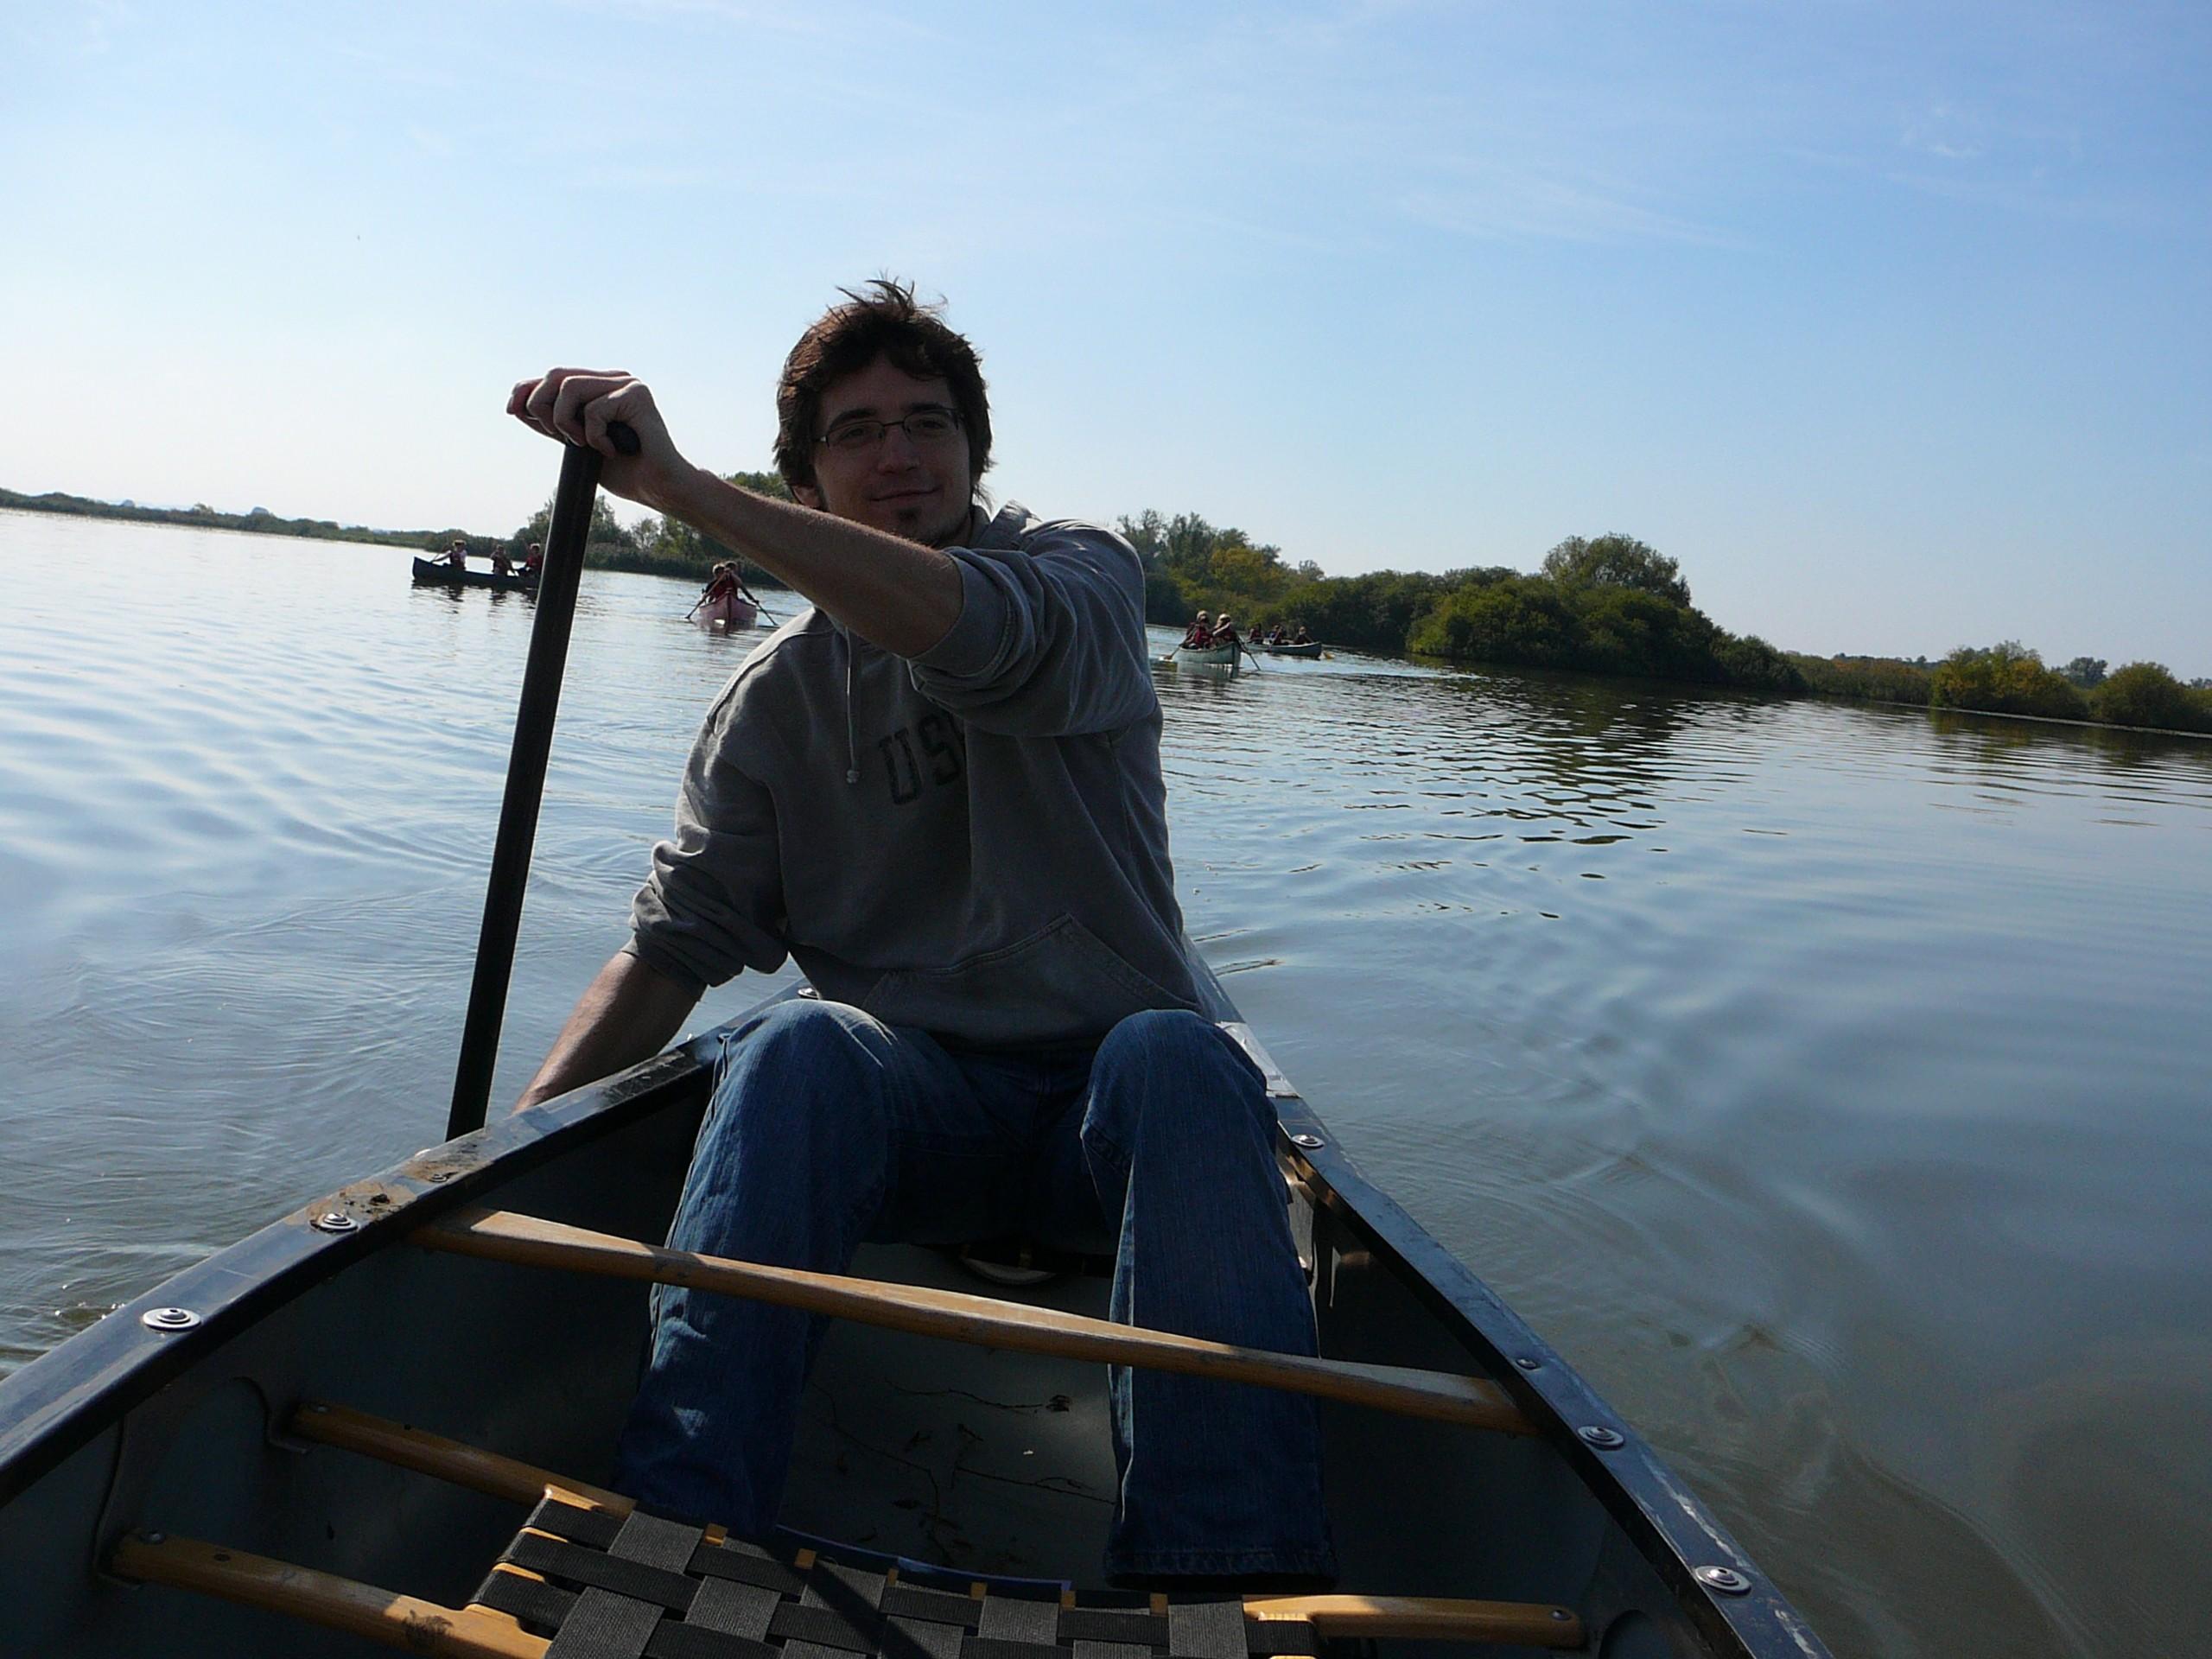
729 611
436 573
1211 657
1311 648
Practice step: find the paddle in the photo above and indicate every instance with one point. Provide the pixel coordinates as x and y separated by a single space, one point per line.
541 700
755 601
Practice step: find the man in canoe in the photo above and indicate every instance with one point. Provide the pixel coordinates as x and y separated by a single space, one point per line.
457 555
938 790
534 560
1200 634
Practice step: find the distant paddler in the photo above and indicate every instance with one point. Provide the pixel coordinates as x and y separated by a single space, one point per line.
457 555
1199 637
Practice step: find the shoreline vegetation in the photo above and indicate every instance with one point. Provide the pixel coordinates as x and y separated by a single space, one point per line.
1609 605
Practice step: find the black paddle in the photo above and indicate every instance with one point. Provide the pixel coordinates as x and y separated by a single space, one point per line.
541 700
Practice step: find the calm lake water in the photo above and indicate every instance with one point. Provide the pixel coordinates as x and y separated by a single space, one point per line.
1830 1084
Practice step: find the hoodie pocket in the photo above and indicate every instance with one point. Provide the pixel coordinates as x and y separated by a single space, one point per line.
1058 984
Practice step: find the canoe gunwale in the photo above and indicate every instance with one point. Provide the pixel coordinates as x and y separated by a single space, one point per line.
64 1399
60 1401
1670 1525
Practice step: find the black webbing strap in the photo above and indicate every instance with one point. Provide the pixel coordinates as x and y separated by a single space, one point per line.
937 1607
627 1589
1280 1638
1201 1630
532 1600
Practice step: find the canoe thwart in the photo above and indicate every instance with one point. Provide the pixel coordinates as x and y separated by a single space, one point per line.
324 1598
504 1235
455 1461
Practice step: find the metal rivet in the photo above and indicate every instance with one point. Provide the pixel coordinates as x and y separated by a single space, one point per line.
1560 1615
1605 1440
1727 1579
335 1221
168 1318
1529 1363
1309 1142
441 1177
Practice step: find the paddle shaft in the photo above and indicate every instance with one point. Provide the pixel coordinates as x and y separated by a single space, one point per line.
541 700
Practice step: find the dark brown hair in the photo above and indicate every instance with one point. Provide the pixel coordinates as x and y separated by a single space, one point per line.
881 319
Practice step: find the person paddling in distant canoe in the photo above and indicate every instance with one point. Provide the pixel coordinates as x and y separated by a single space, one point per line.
457 555
722 584
1201 633
1224 631
1301 638
501 564
939 791
534 560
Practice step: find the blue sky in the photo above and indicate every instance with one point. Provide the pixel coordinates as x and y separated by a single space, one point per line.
1888 322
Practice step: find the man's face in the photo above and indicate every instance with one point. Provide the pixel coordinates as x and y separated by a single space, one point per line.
919 491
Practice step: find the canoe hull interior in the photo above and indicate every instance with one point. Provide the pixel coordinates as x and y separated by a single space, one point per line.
980 1460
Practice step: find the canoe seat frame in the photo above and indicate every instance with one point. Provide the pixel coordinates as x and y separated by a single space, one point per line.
635 1585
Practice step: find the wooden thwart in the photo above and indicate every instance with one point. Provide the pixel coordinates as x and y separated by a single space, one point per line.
456 1461
503 1235
326 1599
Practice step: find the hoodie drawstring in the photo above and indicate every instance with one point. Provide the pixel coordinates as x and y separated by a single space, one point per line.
852 742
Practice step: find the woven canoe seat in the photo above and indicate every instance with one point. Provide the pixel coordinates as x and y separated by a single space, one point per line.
636 1586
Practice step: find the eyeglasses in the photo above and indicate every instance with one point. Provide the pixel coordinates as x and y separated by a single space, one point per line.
924 426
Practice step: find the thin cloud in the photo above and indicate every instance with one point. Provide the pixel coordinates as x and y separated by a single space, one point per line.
1508 203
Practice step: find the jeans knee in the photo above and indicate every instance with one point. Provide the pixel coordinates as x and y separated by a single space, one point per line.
1173 1062
805 1072
1170 1037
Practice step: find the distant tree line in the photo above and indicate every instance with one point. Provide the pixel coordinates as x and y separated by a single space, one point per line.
2011 679
1607 605
260 521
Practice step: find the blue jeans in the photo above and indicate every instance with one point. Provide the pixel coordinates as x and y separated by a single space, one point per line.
828 1128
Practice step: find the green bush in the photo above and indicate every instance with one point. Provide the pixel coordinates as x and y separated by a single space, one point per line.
1635 631
1525 621
2145 694
1752 663
1883 679
2006 678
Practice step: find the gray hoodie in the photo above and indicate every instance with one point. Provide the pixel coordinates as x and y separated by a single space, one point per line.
973 842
